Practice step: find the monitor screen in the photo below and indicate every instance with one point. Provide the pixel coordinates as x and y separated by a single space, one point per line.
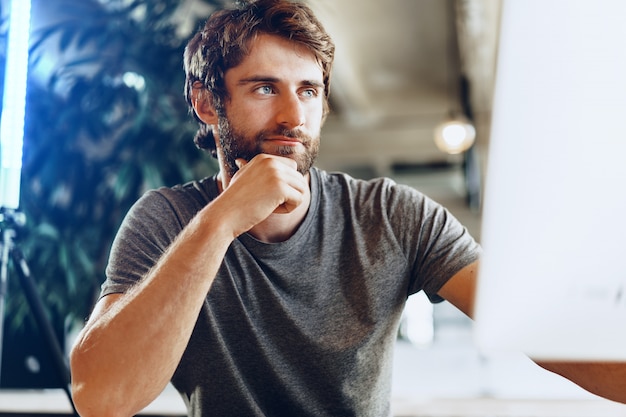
552 282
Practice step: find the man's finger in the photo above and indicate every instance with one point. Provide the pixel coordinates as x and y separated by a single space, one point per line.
240 162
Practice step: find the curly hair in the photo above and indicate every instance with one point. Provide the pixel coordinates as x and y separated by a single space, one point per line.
224 42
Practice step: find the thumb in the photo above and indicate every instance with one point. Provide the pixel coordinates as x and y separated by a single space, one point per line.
240 162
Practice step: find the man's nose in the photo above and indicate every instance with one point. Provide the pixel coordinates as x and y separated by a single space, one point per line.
291 111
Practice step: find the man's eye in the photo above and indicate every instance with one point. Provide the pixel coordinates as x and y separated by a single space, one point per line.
311 92
265 89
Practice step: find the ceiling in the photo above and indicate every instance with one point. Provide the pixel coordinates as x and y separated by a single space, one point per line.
396 76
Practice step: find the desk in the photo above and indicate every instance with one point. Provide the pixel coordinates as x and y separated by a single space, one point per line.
498 407
55 402
169 404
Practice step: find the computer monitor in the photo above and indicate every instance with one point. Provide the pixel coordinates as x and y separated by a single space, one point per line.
552 282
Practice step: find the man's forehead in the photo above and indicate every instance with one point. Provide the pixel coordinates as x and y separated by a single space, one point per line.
271 56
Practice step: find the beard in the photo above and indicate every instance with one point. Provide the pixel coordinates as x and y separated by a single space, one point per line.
236 144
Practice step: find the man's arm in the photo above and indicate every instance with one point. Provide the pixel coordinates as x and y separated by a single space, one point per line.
132 343
606 379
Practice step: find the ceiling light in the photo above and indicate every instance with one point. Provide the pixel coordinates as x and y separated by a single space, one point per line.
455 135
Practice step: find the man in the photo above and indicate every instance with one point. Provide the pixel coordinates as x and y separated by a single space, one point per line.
272 288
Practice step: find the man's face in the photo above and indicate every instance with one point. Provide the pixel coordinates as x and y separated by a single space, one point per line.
275 105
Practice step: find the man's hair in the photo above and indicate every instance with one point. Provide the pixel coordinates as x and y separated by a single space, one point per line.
224 42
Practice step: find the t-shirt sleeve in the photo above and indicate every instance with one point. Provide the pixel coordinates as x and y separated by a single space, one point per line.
144 235
437 244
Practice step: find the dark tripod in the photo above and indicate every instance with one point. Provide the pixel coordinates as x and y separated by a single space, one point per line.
10 221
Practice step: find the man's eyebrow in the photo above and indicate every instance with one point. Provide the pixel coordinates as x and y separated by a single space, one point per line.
313 83
258 79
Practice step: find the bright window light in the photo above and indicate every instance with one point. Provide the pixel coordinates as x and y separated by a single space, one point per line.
14 104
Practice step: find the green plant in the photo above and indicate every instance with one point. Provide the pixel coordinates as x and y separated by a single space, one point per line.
106 120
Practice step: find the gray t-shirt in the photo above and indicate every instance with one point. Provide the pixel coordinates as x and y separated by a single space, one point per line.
304 327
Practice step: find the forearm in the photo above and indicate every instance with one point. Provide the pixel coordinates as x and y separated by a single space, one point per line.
127 353
606 379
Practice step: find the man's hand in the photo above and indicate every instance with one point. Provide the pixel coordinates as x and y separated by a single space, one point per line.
265 185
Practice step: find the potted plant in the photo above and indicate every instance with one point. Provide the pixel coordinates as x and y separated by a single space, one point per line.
106 120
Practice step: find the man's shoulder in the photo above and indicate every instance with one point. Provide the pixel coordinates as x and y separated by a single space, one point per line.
206 187
338 178
199 191
182 201
384 187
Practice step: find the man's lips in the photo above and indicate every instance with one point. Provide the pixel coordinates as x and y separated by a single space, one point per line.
284 141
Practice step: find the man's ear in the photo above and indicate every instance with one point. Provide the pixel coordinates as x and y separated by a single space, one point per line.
202 102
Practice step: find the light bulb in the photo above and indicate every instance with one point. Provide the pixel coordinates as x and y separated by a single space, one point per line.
455 136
